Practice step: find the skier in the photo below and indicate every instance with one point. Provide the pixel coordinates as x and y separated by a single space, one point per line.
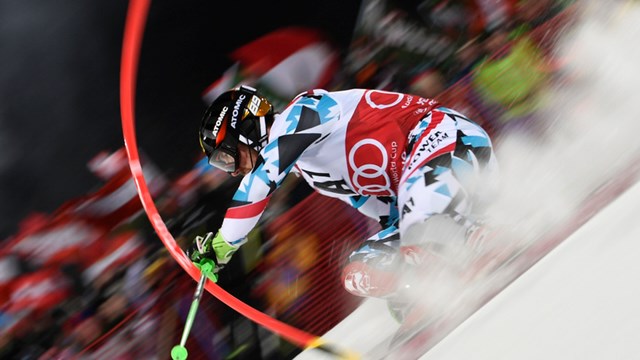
406 161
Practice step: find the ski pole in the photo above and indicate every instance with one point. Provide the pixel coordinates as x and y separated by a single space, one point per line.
179 352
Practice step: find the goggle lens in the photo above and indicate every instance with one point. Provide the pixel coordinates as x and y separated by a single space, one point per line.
223 161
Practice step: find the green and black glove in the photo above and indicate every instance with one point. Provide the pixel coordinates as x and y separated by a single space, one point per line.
210 253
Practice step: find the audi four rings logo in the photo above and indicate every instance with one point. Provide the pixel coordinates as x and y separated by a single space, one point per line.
364 174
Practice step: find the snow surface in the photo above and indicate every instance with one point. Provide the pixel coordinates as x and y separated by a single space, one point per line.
581 301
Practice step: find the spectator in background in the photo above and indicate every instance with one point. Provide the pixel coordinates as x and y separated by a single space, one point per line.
428 83
509 82
463 20
464 60
534 13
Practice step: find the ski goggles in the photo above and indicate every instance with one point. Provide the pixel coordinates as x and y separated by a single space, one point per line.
223 159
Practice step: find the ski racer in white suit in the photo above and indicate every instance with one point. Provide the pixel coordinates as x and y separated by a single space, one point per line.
398 158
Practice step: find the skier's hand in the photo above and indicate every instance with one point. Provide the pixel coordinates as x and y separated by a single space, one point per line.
210 254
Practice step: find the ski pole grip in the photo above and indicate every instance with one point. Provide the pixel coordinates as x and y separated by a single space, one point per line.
207 266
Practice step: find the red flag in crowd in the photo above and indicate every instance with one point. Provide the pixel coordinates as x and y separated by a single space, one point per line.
61 240
117 200
287 61
38 291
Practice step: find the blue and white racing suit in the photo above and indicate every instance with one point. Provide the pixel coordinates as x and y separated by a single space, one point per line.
397 158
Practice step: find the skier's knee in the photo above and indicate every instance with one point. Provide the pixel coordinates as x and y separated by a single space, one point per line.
435 232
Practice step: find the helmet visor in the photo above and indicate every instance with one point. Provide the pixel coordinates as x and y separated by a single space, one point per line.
222 160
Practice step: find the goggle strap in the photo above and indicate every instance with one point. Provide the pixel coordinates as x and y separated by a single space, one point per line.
263 127
245 140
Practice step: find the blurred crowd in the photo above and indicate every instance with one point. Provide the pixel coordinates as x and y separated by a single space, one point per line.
93 280
492 58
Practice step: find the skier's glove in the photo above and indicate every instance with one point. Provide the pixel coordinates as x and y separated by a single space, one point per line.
210 253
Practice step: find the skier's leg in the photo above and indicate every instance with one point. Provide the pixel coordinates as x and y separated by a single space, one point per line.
439 202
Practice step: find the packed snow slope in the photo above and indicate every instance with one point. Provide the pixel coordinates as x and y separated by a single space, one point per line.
579 302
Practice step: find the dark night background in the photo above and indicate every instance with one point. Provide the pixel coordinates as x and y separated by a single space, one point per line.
59 84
